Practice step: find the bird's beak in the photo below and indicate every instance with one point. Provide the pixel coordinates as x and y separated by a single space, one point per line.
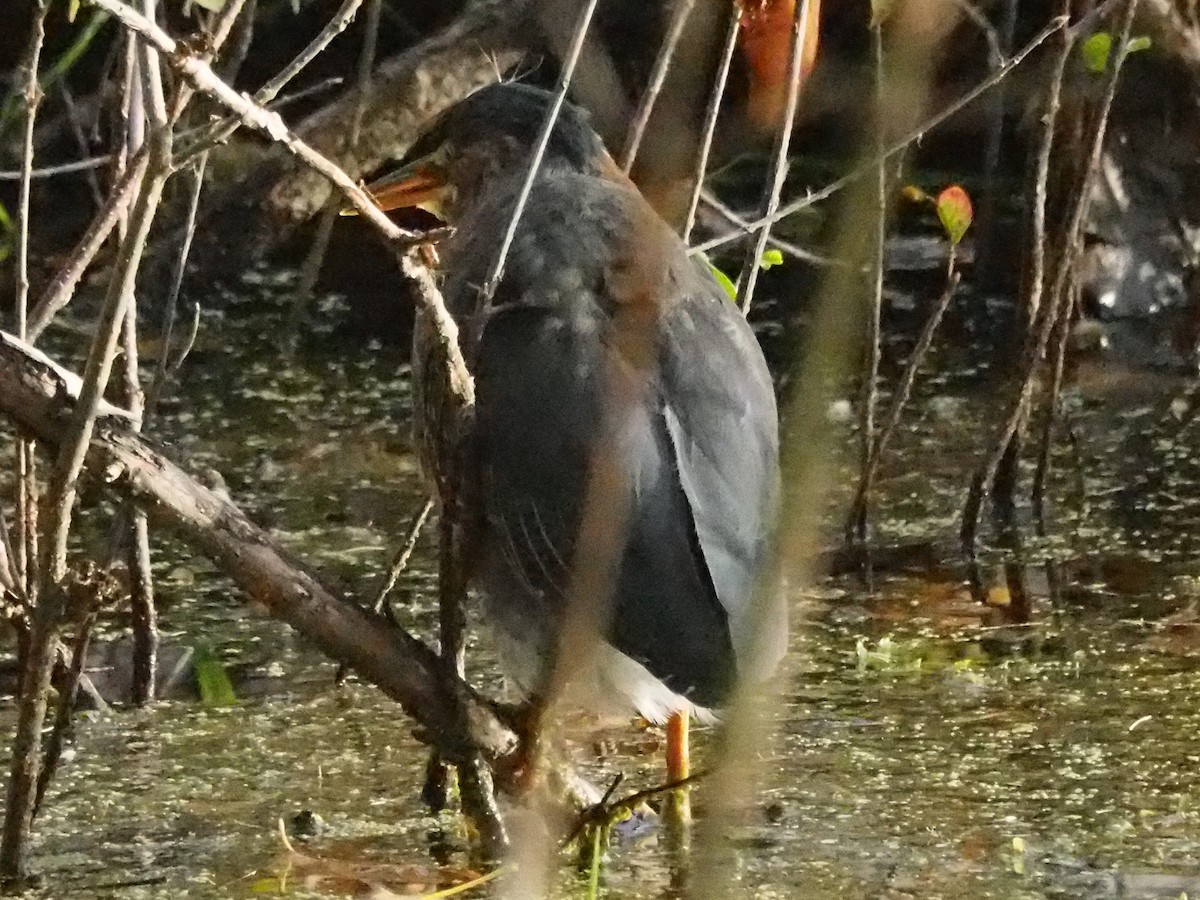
422 184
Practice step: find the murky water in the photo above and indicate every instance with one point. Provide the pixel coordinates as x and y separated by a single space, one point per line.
928 745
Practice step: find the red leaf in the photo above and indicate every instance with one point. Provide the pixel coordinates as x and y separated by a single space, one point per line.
954 209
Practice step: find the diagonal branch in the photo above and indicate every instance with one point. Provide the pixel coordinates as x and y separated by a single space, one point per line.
37 395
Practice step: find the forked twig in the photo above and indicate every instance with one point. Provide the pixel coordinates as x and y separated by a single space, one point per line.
915 134
224 129
985 477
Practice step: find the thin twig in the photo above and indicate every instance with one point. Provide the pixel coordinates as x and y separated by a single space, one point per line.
10 578
539 152
794 250
779 161
395 570
79 165
68 697
135 534
61 288
1000 41
858 509
81 141
310 271
165 365
27 486
711 114
1051 409
400 560
658 75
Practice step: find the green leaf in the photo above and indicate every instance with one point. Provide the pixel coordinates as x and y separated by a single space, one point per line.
770 258
1138 44
6 222
954 210
211 5
72 10
1096 51
723 280
212 680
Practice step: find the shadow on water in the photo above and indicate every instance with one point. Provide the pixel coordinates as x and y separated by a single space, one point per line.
1042 742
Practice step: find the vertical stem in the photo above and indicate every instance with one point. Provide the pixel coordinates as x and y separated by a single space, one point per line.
39 658
985 227
47 615
27 490
658 76
144 615
779 160
452 583
142 608
81 140
403 554
857 524
18 811
68 695
903 391
452 623
710 118
10 580
1049 419
164 366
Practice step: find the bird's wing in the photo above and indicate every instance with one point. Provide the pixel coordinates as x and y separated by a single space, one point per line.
721 416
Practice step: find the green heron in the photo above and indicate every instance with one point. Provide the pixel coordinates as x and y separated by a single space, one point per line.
599 307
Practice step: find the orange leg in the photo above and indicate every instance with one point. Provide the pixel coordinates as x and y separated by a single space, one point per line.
678 760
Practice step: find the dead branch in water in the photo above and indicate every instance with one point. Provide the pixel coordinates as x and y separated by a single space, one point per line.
39 397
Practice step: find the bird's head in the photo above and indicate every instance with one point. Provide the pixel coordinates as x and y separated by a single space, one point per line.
489 135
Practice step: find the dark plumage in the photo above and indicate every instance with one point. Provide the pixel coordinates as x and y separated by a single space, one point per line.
606 345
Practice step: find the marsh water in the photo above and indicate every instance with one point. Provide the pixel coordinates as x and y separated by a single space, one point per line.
927 744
